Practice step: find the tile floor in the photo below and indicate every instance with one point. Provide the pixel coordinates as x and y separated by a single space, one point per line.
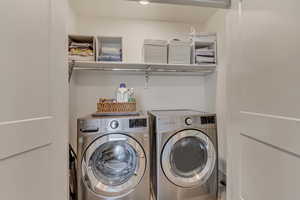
222 195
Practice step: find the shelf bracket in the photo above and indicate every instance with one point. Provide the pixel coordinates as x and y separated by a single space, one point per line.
71 69
147 76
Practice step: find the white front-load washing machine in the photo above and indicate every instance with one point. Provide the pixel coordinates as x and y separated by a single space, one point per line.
113 158
184 155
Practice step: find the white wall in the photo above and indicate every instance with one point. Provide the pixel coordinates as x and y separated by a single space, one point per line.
123 9
165 92
71 18
216 84
133 32
71 28
59 100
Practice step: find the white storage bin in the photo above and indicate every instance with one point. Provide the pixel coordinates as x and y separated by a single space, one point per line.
109 49
180 51
205 49
155 51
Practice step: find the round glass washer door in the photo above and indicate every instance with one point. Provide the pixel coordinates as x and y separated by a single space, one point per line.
188 158
113 165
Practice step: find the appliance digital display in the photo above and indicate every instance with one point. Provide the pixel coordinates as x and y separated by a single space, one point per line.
208 120
136 123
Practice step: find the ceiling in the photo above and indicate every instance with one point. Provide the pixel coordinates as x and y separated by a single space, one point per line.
134 10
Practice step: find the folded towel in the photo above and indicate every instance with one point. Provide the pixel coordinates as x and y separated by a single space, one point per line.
203 59
81 45
109 58
110 54
205 53
203 48
111 51
81 52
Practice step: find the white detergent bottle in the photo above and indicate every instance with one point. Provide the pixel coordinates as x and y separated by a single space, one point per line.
122 93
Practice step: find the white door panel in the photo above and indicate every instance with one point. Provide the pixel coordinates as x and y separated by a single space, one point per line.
22 136
33 100
24 53
26 176
269 76
279 131
264 99
268 173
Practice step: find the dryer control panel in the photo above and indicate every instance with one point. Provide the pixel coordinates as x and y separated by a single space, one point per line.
167 123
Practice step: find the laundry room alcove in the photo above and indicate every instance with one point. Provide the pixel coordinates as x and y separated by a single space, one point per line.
128 24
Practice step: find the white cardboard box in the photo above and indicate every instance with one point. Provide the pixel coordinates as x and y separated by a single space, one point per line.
155 51
179 52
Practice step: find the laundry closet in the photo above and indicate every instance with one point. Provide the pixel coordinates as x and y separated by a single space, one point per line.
192 87
179 81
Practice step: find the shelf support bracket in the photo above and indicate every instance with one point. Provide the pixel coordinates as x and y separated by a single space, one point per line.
71 69
147 76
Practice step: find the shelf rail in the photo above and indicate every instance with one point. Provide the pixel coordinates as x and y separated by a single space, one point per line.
146 69
142 70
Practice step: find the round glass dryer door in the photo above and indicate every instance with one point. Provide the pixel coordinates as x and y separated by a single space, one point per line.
188 158
113 165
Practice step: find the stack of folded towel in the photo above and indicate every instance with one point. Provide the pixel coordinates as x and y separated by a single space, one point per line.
205 55
110 54
81 49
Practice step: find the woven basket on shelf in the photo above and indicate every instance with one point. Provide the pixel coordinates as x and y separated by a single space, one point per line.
105 107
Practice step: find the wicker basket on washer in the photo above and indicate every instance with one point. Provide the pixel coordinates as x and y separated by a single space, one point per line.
114 107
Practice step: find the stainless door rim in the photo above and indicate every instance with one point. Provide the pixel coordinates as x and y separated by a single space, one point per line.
101 189
197 179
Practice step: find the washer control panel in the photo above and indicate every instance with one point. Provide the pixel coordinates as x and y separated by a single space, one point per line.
126 124
123 124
